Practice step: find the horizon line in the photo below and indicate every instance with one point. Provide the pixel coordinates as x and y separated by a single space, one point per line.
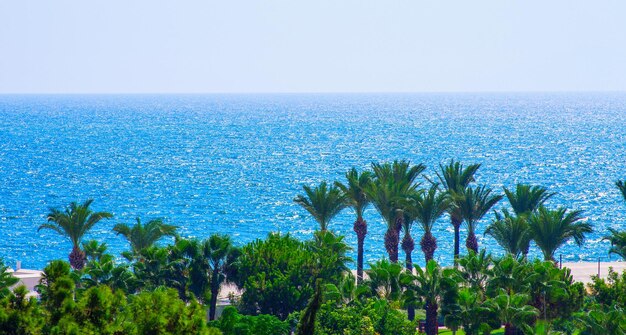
315 92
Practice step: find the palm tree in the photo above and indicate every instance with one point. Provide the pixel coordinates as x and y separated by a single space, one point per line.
383 197
427 208
552 228
455 179
511 233
393 182
384 279
434 286
408 244
475 270
354 192
74 222
141 236
513 311
510 230
222 255
618 238
473 204
94 250
322 202
331 261
526 199
618 242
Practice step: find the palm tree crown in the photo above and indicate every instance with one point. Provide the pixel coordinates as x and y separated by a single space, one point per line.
222 255
552 228
73 223
142 236
511 233
426 208
473 204
393 183
455 179
618 242
526 199
354 190
322 202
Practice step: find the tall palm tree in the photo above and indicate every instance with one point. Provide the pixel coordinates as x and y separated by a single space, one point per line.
73 223
552 228
473 204
141 236
455 179
526 199
511 233
384 197
222 255
356 198
427 208
322 202
393 182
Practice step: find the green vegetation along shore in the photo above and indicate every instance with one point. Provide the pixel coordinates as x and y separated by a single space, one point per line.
306 287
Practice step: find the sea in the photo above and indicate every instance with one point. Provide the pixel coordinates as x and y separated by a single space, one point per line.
233 163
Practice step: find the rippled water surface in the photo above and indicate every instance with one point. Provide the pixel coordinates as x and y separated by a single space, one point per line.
233 163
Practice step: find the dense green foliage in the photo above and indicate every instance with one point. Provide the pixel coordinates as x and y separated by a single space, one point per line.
284 285
276 275
233 323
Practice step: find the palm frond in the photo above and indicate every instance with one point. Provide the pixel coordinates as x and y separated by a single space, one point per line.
526 199
322 202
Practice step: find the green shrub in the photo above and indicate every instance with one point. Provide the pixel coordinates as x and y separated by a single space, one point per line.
233 323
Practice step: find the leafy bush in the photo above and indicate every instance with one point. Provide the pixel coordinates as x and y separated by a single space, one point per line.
375 316
609 291
276 275
233 323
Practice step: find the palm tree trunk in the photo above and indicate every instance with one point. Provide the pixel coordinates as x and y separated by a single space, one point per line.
215 289
408 245
392 239
509 329
471 242
429 245
456 223
360 228
431 319
77 258
306 326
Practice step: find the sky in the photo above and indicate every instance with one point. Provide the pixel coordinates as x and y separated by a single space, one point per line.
205 46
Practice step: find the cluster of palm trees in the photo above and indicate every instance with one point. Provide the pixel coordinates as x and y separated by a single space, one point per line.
208 259
396 192
77 219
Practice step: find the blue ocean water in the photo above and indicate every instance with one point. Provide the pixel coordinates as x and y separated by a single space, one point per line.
234 163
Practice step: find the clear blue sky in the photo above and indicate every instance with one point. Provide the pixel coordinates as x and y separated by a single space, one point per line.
139 46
